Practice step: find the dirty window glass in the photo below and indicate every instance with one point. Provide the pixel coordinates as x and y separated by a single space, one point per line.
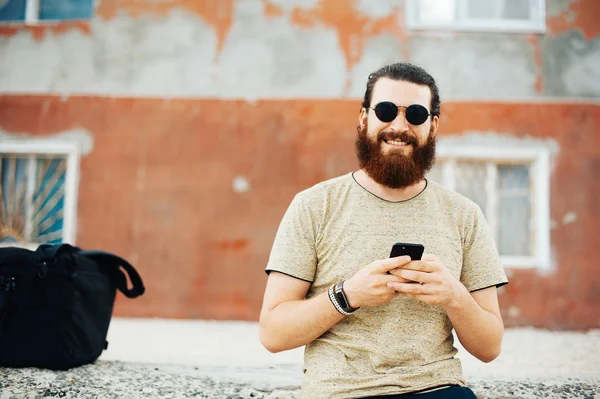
523 16
32 196
15 11
504 192
12 10
66 9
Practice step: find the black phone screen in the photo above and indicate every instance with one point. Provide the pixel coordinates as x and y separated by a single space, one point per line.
415 251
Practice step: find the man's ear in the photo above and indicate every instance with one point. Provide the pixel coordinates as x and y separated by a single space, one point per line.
435 125
362 118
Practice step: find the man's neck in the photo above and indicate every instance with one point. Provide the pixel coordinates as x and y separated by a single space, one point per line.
387 193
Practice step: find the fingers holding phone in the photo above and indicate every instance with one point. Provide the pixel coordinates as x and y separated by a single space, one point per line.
368 287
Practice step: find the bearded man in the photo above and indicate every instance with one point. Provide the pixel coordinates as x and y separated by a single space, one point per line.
375 325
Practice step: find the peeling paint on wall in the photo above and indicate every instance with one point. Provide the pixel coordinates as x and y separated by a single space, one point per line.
217 13
571 65
290 5
380 8
268 57
580 15
554 8
304 48
505 65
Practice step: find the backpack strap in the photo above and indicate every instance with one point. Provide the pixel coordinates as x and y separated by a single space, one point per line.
109 259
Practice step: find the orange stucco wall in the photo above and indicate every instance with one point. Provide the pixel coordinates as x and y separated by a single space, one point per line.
157 188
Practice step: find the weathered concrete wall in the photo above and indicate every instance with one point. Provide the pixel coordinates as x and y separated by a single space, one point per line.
304 48
204 118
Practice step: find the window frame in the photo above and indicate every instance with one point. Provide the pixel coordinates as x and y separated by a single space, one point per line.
72 154
538 158
32 15
536 24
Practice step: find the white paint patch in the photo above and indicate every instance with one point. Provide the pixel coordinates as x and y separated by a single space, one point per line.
379 8
289 5
514 311
553 224
83 139
240 184
569 217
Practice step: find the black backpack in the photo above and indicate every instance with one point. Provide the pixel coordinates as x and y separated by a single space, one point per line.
56 304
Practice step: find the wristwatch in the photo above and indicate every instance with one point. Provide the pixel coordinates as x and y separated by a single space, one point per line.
340 296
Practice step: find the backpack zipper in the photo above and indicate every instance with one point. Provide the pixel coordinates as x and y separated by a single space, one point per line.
7 283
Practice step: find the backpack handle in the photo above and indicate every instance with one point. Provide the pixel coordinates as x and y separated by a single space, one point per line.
121 281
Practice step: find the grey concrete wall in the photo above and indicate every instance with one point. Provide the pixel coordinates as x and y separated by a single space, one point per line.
305 48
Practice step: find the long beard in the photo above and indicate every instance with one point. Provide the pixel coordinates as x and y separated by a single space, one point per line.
394 169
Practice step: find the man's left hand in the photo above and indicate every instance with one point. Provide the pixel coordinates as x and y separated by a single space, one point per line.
431 282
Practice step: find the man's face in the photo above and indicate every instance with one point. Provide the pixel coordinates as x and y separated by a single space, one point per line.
396 154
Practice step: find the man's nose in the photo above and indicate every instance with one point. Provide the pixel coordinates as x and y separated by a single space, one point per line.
400 124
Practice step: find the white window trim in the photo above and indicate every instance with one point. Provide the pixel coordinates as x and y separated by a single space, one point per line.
71 151
32 12
539 159
535 25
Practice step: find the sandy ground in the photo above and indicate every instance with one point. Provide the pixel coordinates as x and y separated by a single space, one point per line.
206 359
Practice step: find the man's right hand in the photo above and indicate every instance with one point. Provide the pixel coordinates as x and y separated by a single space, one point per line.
368 287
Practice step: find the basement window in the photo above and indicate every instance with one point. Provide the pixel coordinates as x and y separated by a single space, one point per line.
503 16
512 188
33 12
38 193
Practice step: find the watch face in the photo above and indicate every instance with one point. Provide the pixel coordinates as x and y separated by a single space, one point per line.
340 296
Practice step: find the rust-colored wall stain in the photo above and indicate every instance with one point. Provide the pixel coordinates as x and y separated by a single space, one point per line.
272 10
157 189
234 245
353 28
537 54
40 31
582 14
216 13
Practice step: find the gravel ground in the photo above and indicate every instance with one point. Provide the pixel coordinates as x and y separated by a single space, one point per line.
112 379
203 359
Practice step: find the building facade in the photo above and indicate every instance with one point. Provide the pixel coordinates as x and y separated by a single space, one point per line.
175 134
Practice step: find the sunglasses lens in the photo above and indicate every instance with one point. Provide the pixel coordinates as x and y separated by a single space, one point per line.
416 114
386 111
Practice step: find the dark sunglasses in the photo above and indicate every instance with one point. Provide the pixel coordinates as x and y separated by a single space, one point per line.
387 111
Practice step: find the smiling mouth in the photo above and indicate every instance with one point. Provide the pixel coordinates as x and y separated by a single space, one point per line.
396 142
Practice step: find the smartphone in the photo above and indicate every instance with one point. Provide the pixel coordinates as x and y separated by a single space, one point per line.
415 251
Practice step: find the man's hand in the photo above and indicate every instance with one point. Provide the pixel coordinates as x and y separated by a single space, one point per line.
370 285
430 282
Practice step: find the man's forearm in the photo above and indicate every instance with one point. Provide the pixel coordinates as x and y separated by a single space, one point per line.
479 331
295 323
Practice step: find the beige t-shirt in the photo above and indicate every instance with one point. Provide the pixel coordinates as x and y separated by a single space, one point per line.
335 228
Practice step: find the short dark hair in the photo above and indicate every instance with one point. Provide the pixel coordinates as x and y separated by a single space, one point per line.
408 73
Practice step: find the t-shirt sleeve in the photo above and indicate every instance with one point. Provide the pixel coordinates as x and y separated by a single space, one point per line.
481 262
293 252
